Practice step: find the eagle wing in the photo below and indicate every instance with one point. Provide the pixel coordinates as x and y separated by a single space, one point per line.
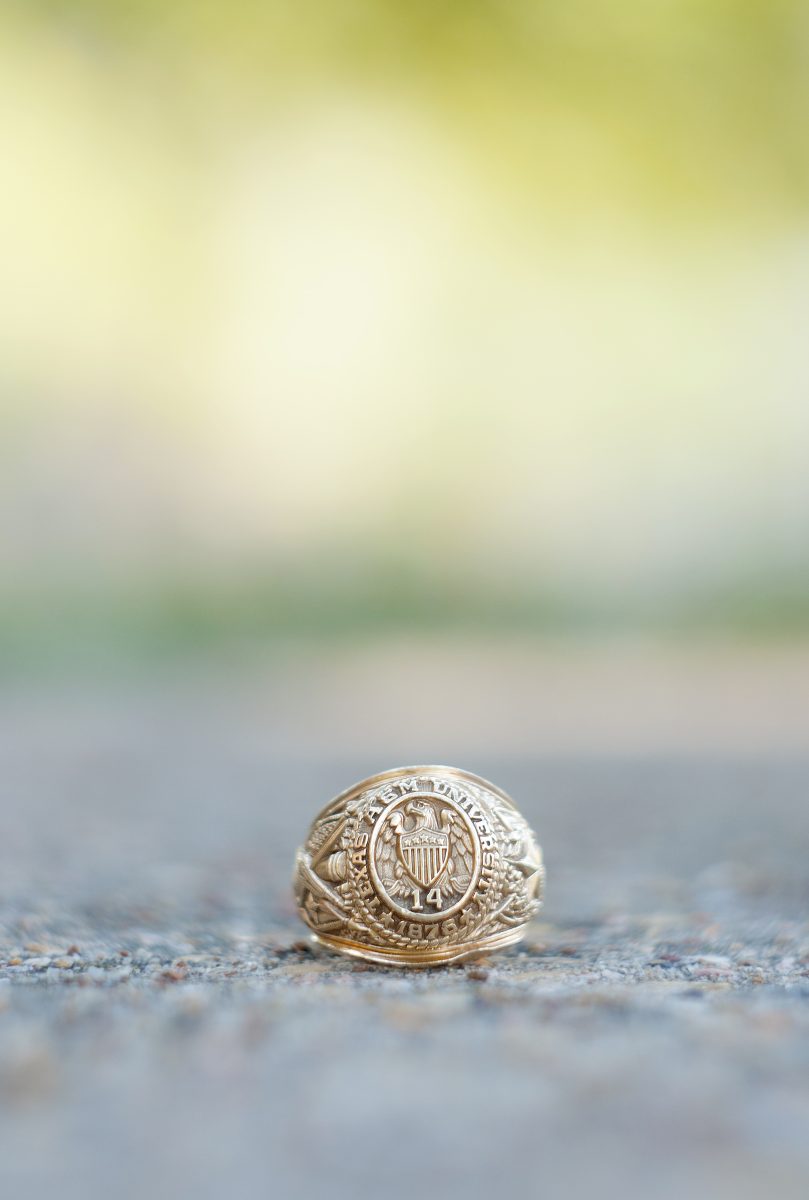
387 863
461 862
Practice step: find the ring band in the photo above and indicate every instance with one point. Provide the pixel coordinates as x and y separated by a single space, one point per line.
419 866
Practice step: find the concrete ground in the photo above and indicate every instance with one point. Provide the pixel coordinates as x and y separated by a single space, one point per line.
165 1031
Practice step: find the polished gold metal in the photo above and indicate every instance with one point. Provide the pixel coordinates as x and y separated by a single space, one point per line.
419 866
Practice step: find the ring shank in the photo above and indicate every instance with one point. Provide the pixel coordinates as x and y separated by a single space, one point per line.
437 957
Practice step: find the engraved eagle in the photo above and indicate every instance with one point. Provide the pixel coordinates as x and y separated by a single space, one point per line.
419 848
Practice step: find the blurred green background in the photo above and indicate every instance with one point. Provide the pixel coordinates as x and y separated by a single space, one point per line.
336 317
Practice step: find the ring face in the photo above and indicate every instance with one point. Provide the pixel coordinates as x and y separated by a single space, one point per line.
418 866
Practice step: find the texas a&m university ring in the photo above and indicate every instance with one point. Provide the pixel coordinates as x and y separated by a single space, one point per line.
419 866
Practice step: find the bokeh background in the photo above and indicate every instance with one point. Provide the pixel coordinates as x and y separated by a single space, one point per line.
360 317
403 381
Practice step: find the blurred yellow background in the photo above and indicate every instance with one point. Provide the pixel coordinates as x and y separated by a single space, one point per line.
373 314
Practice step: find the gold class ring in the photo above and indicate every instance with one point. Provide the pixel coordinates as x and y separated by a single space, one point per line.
419 866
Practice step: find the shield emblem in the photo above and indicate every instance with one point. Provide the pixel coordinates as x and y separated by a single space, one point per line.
423 854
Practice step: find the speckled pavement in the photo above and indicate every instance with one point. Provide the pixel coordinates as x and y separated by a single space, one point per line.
165 1031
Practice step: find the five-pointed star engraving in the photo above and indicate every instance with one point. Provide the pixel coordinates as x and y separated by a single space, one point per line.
321 914
529 863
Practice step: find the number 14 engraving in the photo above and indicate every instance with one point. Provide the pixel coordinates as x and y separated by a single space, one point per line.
433 897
